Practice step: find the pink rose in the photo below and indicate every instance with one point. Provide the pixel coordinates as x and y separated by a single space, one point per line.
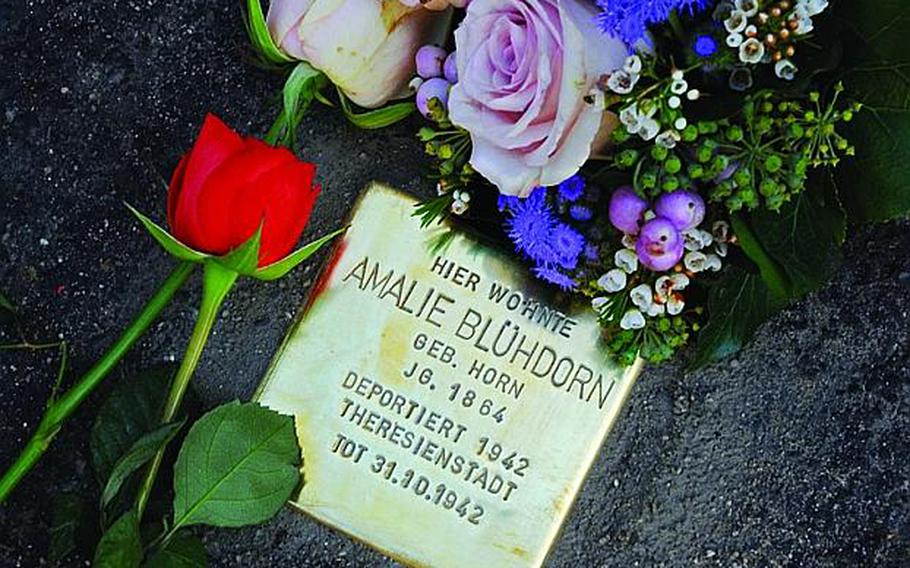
366 47
526 92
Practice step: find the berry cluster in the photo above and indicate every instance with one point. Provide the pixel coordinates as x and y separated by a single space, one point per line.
436 73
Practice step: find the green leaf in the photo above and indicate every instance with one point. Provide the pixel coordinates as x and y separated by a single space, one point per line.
378 118
6 304
132 410
69 512
141 452
771 272
243 259
167 241
806 236
875 185
258 31
182 551
288 263
301 88
238 466
737 305
120 546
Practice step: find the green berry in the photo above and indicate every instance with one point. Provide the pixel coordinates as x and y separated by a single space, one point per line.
773 164
673 165
659 153
734 133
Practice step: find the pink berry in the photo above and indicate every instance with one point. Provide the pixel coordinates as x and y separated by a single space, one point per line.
685 209
449 69
626 210
429 60
659 246
436 88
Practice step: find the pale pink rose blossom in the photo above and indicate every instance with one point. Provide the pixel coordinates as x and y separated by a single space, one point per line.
366 47
526 91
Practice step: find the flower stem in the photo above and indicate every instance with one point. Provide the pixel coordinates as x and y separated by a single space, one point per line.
676 25
216 283
61 409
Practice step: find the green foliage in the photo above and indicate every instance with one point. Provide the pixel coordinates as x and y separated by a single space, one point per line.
245 258
121 545
377 118
303 85
66 526
167 241
876 185
805 238
182 551
6 304
132 410
238 466
288 263
259 35
139 453
736 306
434 210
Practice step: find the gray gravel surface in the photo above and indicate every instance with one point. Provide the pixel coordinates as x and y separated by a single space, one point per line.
795 453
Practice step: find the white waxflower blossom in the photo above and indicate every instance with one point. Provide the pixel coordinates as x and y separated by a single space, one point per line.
613 281
668 139
632 66
622 82
693 94
696 239
633 319
642 296
677 75
679 86
675 304
656 309
804 23
713 263
459 207
629 241
735 40
813 7
681 123
415 84
751 31
751 51
674 102
599 303
694 261
737 22
785 69
630 116
627 260
649 128
747 7
721 230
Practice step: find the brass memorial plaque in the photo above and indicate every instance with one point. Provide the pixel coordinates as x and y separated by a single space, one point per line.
447 412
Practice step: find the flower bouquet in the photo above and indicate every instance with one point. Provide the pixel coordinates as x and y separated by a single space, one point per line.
686 167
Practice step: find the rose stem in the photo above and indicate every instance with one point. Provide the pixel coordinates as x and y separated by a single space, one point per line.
59 410
217 281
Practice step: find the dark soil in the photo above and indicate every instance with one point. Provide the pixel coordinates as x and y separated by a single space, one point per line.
795 453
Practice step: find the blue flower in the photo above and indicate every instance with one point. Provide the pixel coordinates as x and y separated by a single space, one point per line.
628 20
592 252
530 226
553 276
705 46
506 202
572 189
580 212
567 245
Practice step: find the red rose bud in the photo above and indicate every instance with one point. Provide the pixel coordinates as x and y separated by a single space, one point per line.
227 186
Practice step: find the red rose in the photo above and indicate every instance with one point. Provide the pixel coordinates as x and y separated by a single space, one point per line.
226 186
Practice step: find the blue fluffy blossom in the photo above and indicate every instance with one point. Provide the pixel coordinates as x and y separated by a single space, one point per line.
556 277
705 46
628 20
530 225
572 189
580 212
567 245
